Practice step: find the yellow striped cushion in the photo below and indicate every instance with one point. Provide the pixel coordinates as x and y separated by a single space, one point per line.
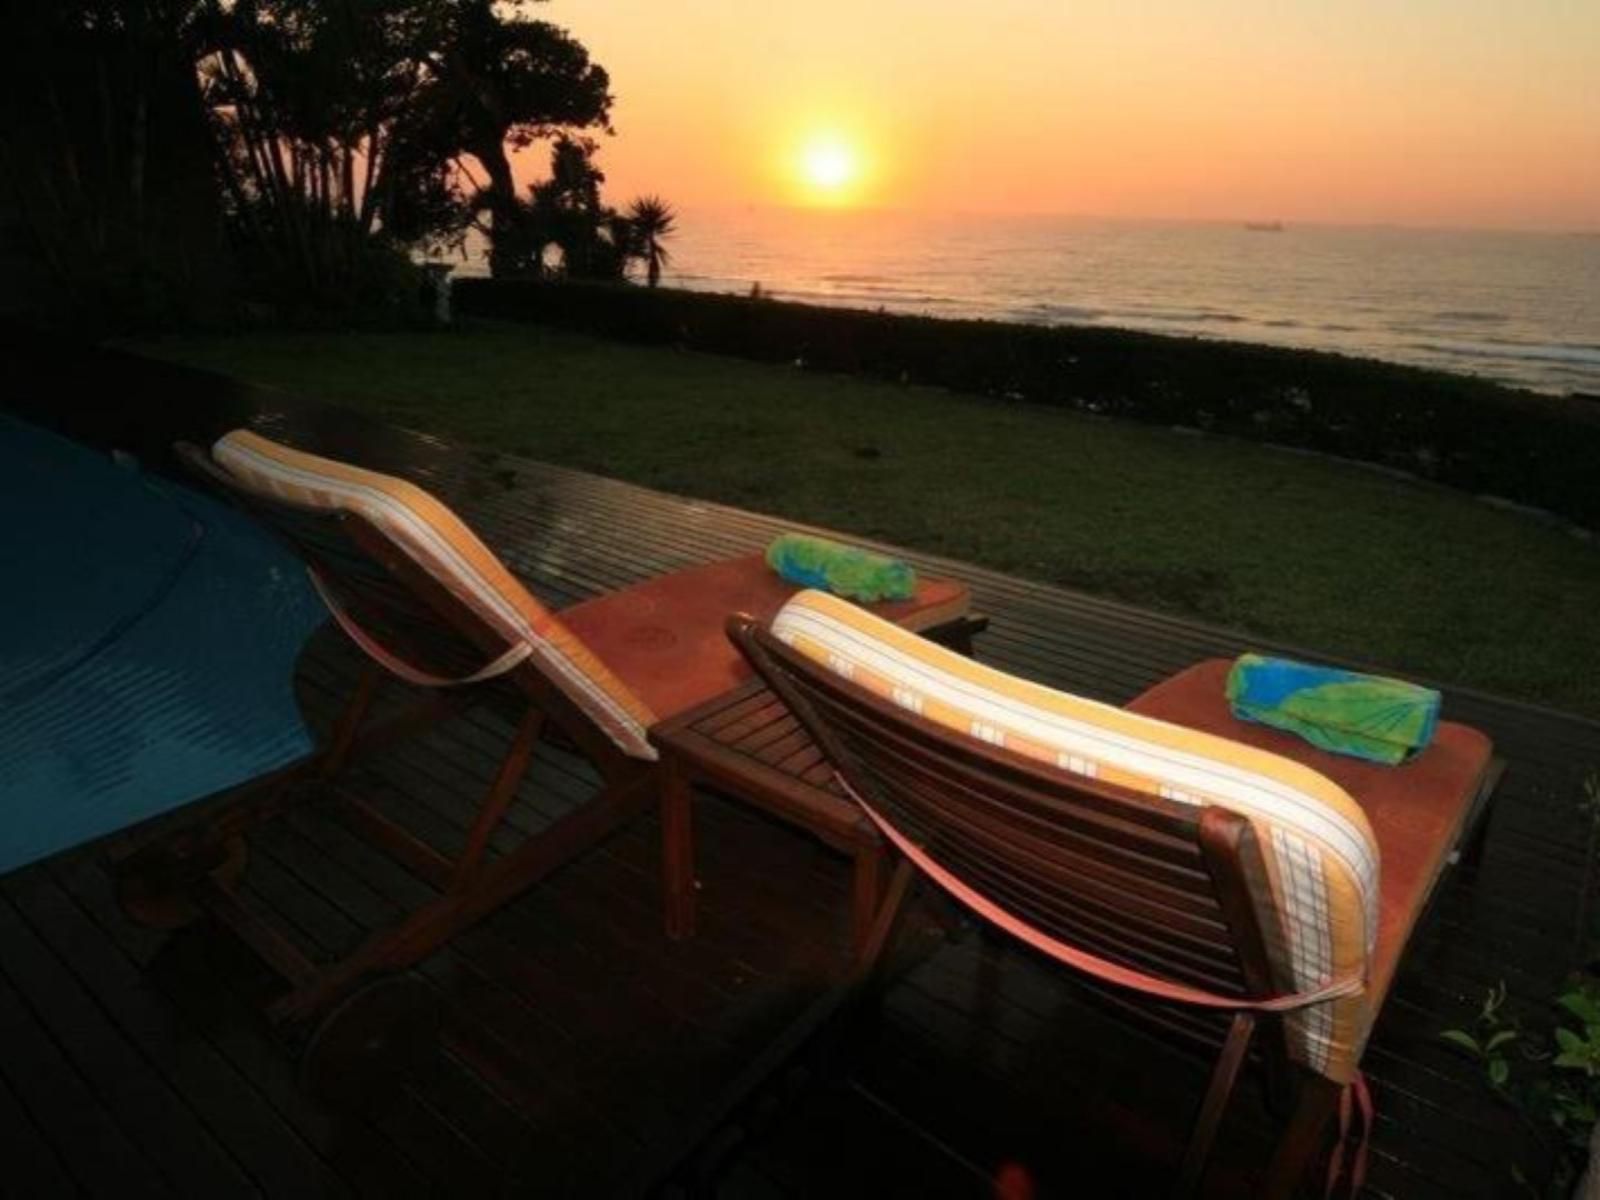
441 544
1322 860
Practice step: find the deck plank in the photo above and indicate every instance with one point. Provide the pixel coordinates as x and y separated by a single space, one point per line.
359 1158
32 1167
271 1155
119 1125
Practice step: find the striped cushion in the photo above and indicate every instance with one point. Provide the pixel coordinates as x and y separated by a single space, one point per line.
1320 901
441 544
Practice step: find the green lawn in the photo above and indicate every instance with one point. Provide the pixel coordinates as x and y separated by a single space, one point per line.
1328 556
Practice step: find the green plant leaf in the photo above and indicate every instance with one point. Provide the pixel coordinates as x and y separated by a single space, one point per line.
1462 1038
1570 1043
1500 1039
1581 1004
1499 1072
1492 1001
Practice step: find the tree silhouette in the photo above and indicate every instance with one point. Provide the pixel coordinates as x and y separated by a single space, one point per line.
502 83
336 121
566 211
650 221
342 134
307 101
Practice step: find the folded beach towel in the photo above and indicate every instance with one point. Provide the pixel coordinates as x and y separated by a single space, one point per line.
1365 716
847 571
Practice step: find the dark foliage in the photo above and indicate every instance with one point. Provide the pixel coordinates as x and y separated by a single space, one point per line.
499 83
564 214
650 222
169 162
108 215
1470 434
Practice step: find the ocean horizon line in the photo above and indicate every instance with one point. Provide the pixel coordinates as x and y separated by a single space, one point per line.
1519 308
1242 221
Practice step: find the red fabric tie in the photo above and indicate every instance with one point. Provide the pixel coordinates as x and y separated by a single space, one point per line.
1090 964
1356 1094
398 666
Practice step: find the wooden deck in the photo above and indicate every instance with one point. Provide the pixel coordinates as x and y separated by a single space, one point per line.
587 1055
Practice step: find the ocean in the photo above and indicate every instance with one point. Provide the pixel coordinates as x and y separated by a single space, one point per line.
1521 308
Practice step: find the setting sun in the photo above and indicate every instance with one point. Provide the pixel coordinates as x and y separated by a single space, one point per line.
829 164
829 167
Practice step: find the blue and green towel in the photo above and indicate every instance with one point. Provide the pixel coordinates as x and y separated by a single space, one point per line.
847 571
1365 716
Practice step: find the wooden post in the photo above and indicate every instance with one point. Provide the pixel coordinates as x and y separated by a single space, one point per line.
676 797
1302 1138
866 887
512 768
343 738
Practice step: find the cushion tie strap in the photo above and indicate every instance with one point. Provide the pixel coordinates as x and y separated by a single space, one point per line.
399 666
1090 964
1355 1091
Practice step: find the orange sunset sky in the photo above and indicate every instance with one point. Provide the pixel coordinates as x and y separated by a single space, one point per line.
1427 112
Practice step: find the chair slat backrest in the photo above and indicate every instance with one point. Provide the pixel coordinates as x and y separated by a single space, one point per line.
1135 879
389 537
1128 847
398 604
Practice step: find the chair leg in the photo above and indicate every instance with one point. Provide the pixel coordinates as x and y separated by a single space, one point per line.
873 955
863 988
429 926
1223 1077
1470 852
343 738
493 809
1479 817
269 795
1302 1138
676 799
866 887
1279 1073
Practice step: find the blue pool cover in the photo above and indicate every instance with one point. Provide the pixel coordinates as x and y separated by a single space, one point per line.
148 636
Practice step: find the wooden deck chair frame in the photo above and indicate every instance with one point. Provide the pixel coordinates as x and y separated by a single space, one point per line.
420 621
1151 883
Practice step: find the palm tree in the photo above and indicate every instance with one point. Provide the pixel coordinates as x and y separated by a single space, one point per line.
652 220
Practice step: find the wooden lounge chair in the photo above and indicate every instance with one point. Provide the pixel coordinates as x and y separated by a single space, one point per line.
1195 869
430 604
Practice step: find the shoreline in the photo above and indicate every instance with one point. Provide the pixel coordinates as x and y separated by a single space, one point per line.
1200 326
1517 310
850 308
1478 436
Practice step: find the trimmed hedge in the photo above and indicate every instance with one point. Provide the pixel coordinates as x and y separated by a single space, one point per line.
1536 450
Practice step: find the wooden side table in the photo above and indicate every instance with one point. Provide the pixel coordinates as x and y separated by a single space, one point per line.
746 744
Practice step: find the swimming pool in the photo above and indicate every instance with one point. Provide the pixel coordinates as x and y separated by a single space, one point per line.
148 636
